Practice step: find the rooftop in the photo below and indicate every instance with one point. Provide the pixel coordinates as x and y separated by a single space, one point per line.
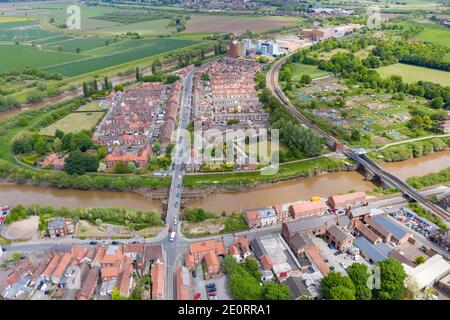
390 225
376 252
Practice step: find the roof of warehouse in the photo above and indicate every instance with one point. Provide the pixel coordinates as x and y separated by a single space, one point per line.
376 252
390 225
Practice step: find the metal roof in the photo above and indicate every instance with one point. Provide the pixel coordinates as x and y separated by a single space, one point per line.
390 225
376 252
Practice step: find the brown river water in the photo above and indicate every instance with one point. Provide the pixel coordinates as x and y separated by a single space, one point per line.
304 188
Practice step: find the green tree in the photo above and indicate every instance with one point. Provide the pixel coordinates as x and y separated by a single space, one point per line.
305 79
41 146
34 96
359 274
334 280
277 291
57 145
78 163
342 293
59 134
138 74
419 260
85 89
392 279
121 167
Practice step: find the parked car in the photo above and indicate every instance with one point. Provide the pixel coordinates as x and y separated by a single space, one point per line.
197 296
93 242
115 242
212 297
337 253
194 274
175 221
211 293
210 287
331 267
104 242
177 195
330 245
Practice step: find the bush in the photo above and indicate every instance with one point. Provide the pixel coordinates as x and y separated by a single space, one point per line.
198 215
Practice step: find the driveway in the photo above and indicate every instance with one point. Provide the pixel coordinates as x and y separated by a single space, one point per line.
199 284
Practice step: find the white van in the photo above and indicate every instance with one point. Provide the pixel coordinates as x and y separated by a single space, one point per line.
172 236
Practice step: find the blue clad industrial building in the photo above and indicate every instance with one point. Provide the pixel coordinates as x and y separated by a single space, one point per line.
374 252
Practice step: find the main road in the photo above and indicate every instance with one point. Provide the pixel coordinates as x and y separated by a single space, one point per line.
174 247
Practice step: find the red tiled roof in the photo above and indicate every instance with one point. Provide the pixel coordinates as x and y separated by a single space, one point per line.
205 246
157 275
211 261
314 255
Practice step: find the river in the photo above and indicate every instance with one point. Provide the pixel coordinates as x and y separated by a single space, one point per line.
324 185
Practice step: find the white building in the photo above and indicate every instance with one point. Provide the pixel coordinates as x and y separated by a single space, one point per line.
426 274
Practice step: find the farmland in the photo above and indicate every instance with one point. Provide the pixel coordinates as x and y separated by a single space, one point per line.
411 73
198 24
74 122
18 56
142 49
23 31
153 27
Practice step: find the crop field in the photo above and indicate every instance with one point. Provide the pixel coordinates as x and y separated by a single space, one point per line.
152 27
299 69
19 56
74 122
13 19
69 44
411 73
198 24
23 31
151 47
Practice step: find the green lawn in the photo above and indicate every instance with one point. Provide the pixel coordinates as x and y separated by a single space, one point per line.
93 106
299 69
411 73
74 122
19 56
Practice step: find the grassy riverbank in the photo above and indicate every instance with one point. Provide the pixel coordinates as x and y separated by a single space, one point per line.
285 172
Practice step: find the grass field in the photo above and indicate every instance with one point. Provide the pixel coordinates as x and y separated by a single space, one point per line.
299 69
148 48
18 56
74 122
93 106
411 73
198 24
432 32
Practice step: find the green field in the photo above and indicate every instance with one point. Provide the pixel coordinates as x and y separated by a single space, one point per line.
153 27
433 32
146 49
412 74
299 69
74 122
447 58
18 56
23 31
71 44
93 106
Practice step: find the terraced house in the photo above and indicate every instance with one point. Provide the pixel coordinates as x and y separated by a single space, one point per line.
135 119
